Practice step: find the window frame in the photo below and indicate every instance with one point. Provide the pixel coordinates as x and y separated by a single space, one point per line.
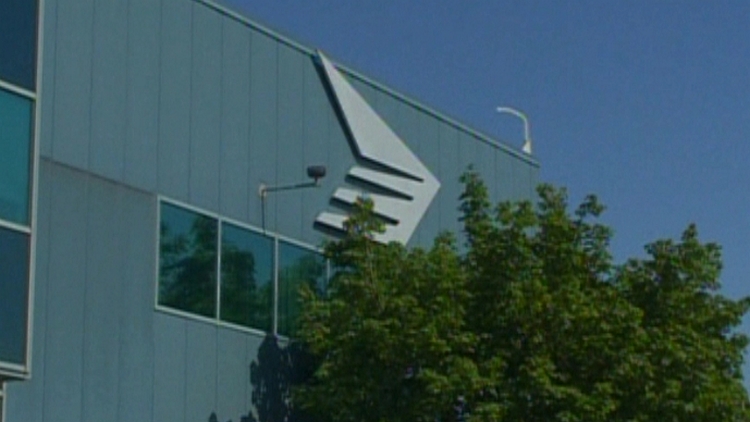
277 272
275 239
11 370
257 231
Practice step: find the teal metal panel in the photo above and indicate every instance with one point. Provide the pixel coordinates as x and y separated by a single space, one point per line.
233 375
235 121
174 101
263 121
200 371
109 89
253 344
136 305
533 178
408 125
142 114
104 266
429 154
290 161
485 164
518 176
170 365
46 86
72 110
505 175
63 359
449 174
205 102
314 147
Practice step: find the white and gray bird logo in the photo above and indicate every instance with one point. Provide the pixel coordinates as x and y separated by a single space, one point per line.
405 187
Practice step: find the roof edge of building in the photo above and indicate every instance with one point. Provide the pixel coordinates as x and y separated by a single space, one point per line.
228 11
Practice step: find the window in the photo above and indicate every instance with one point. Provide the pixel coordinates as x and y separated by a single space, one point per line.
18 42
250 294
298 266
14 290
187 261
246 278
15 157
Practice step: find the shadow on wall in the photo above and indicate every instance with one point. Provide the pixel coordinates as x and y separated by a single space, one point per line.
275 371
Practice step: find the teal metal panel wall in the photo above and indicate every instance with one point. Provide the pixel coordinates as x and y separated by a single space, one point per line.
49 67
449 189
316 138
109 88
263 119
73 56
66 318
103 264
232 375
213 107
170 352
205 109
172 97
144 36
235 123
290 159
135 304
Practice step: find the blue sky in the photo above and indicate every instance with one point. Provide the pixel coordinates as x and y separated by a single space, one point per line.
645 104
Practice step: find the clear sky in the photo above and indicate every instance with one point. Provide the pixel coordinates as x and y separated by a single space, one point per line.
643 103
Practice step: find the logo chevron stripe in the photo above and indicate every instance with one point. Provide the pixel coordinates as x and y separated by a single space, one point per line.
403 187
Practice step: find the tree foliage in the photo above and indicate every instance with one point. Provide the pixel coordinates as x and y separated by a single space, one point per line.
530 321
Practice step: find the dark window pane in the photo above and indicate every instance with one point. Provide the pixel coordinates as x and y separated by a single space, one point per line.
14 293
15 157
246 278
187 261
18 42
297 267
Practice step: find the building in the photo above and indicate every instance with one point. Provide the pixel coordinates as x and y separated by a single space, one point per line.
140 270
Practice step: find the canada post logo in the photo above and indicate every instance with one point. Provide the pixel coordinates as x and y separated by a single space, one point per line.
400 186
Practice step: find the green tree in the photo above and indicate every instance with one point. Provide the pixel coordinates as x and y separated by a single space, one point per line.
389 335
532 321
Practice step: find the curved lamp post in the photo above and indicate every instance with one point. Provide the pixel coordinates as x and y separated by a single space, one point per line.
526 131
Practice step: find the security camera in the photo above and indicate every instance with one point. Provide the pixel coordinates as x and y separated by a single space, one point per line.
316 172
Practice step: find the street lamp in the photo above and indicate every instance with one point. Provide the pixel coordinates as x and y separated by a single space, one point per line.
313 172
526 135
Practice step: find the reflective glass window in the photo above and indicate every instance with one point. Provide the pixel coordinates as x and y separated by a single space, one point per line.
297 267
18 42
14 291
15 156
246 278
187 260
